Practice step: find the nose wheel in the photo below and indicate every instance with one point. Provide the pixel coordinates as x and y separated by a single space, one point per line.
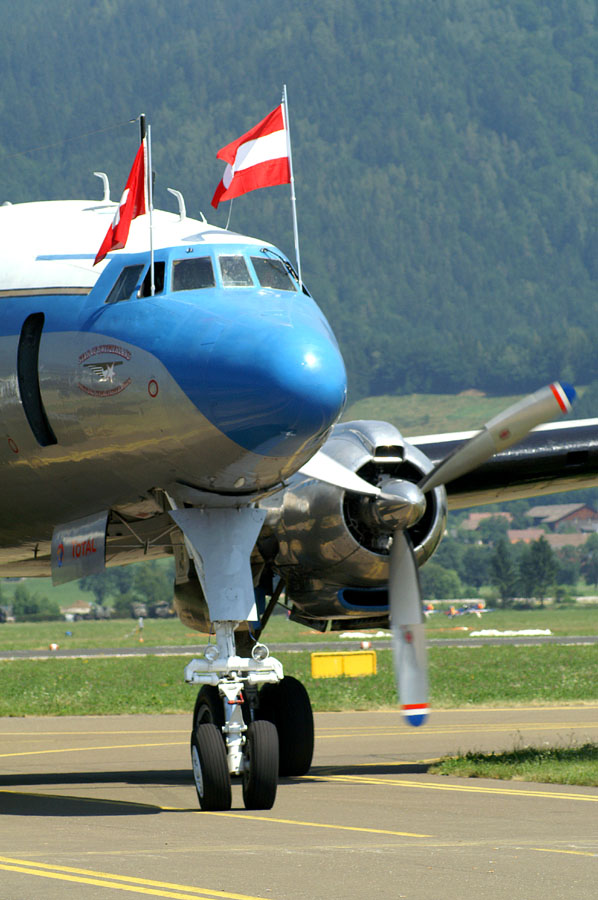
260 775
210 768
288 707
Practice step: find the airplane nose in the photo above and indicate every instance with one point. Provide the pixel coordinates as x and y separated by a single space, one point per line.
275 388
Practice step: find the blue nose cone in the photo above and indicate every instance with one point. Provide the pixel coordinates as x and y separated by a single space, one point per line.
275 388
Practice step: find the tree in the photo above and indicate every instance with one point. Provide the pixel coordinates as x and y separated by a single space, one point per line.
492 530
538 568
503 572
110 583
568 570
152 584
27 604
475 568
439 583
589 559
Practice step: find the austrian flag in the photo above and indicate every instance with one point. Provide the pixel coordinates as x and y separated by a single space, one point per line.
260 158
133 203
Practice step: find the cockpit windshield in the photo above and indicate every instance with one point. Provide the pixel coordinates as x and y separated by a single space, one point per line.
192 274
272 273
234 272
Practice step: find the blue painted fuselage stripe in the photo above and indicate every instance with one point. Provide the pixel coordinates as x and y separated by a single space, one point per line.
261 365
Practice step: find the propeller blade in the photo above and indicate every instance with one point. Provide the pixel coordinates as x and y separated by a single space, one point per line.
324 468
501 432
409 646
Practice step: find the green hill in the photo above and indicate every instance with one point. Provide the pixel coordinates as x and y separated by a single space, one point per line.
430 413
445 155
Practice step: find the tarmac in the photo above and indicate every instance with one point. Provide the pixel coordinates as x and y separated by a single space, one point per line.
101 807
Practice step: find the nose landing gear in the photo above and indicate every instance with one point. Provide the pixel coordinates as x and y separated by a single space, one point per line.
226 741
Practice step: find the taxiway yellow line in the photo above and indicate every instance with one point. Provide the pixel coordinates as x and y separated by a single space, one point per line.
93 747
567 852
464 729
39 735
117 882
433 786
315 824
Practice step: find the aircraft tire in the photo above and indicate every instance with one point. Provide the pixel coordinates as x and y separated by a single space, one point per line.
208 707
288 706
260 778
210 768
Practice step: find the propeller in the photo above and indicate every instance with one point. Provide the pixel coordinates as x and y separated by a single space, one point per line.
501 432
396 505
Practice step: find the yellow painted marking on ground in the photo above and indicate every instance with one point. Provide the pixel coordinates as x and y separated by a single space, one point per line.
92 747
434 786
116 882
568 852
460 729
315 824
38 735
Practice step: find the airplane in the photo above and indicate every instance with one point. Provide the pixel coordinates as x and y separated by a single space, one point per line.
200 421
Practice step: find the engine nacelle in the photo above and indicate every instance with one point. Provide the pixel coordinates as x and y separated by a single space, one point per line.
331 545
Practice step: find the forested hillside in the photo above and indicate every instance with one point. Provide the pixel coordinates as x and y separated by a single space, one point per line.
446 157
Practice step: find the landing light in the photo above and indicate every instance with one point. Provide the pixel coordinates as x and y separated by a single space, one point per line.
211 653
310 360
260 652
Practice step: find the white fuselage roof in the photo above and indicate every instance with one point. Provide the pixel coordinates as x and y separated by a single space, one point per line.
76 228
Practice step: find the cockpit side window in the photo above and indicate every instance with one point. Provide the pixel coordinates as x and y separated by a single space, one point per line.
192 274
234 272
125 284
146 287
272 273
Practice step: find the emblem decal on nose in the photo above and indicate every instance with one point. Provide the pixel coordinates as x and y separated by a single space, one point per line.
104 371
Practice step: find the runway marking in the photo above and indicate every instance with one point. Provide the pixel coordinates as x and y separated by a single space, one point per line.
314 824
231 815
568 852
91 747
465 729
116 882
38 736
433 786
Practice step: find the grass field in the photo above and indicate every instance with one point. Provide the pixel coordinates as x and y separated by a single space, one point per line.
489 676
561 620
428 413
550 765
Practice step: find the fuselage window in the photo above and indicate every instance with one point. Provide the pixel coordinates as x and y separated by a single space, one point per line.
146 287
272 273
234 272
125 284
192 274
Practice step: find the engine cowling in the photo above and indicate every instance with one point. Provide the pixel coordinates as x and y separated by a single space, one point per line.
332 546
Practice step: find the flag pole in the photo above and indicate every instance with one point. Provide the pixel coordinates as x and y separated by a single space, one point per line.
146 132
285 107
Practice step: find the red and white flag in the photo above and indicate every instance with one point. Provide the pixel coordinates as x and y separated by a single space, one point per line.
133 203
260 158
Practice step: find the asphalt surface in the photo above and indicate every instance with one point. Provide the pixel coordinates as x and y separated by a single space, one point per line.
104 807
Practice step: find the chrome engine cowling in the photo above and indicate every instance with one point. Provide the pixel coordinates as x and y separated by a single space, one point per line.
331 546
